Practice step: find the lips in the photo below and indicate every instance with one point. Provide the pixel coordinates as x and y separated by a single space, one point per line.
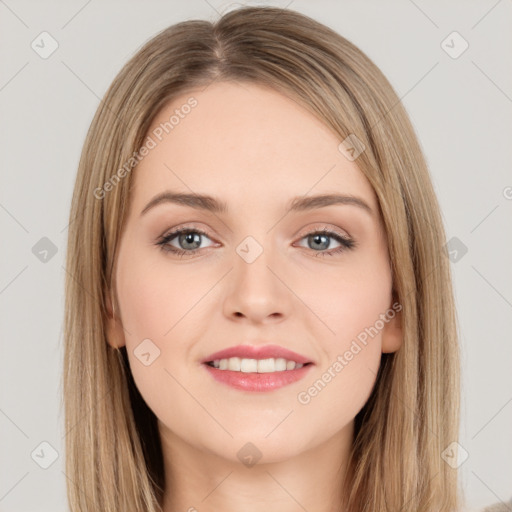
257 382
252 352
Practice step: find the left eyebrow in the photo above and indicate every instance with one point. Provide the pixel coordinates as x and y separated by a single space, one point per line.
209 203
323 200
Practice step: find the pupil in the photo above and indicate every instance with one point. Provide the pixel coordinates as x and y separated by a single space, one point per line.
316 239
188 238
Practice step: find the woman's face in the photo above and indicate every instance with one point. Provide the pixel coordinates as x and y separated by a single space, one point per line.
256 273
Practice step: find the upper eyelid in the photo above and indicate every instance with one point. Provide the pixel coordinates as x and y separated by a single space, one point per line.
185 229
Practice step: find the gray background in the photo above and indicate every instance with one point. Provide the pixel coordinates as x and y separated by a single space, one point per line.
461 108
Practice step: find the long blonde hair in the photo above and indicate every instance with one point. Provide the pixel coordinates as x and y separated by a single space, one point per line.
113 453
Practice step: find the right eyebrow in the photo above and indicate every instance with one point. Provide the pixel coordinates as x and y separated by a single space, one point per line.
197 201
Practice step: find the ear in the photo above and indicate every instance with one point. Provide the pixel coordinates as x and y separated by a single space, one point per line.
113 326
392 333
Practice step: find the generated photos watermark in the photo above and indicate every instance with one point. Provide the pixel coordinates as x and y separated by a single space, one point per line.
150 143
342 360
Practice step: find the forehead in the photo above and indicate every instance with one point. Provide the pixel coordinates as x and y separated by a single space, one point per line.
244 142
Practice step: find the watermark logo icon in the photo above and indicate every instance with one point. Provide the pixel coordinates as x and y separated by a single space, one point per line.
454 455
44 250
351 147
147 352
454 45
44 45
249 455
249 249
44 455
455 249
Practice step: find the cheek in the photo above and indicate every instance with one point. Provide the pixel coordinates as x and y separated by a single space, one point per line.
351 355
156 298
349 299
165 303
353 301
159 303
357 308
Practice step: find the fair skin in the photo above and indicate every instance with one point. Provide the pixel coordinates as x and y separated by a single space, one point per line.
254 149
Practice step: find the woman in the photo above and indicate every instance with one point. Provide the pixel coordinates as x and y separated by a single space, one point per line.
302 353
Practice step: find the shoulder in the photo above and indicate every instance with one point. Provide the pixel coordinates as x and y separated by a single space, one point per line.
498 507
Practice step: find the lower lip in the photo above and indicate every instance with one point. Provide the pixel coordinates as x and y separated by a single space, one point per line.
257 381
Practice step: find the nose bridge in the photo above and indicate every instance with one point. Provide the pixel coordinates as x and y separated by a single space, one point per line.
256 239
255 290
254 257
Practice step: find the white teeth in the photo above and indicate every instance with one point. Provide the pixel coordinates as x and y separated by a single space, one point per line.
280 364
270 365
248 365
234 364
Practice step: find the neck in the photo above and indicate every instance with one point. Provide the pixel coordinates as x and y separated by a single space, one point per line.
199 480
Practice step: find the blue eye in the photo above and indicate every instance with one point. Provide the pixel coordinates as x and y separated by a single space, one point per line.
186 236
321 237
190 239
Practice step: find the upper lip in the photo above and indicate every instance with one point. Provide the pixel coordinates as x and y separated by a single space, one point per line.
260 352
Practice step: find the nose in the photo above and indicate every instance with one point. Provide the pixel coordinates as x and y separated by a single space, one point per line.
256 292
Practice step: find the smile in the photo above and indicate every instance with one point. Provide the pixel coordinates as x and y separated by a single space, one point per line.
245 365
247 375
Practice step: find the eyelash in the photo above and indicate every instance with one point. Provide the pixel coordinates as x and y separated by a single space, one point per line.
163 242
